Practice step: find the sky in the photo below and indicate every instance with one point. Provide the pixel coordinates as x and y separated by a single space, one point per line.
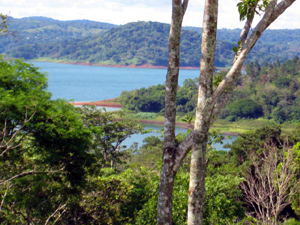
123 11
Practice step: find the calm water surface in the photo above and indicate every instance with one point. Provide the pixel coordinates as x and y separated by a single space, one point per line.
156 132
91 83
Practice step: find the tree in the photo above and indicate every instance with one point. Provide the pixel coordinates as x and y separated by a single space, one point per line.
245 108
43 147
210 100
271 182
108 133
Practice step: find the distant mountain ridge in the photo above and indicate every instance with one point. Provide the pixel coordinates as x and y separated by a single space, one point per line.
38 30
132 44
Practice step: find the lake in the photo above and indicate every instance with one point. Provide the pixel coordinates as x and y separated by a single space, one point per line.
92 83
156 132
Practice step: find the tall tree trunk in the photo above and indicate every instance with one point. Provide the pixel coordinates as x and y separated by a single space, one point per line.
203 114
210 103
168 171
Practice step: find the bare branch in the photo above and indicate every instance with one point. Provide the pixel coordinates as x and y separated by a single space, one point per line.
246 29
184 6
271 183
55 212
279 9
23 174
3 199
8 144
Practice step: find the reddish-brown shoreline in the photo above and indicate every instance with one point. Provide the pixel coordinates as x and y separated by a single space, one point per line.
103 103
146 66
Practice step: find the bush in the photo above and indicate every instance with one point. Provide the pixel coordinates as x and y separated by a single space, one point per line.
282 82
291 222
245 108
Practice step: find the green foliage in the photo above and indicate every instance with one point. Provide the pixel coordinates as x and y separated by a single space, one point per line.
236 48
41 30
3 24
250 142
108 134
221 203
217 79
103 199
188 119
244 108
282 82
149 154
43 149
272 86
248 8
141 43
152 99
144 115
52 158
291 222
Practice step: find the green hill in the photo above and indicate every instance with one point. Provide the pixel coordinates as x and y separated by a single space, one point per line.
138 43
42 30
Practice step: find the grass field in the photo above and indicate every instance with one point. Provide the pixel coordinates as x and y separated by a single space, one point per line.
223 126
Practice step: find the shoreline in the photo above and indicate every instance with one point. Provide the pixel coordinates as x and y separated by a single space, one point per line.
145 66
103 103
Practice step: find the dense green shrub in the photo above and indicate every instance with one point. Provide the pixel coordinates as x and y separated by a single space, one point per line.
282 82
245 108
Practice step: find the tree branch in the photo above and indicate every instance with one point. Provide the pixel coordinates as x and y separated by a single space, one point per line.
7 145
53 214
23 174
3 199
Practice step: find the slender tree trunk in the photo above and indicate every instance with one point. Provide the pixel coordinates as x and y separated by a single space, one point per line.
168 171
203 114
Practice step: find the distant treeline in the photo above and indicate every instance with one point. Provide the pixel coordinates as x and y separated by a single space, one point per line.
269 90
138 43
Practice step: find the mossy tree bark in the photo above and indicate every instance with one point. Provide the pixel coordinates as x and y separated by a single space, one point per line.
203 114
164 206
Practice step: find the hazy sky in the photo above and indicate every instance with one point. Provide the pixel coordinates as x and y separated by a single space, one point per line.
124 11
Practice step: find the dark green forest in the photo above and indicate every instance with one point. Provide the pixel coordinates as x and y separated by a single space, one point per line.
139 43
268 90
65 165
43 30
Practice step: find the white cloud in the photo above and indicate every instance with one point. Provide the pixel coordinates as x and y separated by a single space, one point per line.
124 11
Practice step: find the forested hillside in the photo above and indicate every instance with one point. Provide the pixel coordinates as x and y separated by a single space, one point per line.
63 165
132 44
139 43
269 90
42 30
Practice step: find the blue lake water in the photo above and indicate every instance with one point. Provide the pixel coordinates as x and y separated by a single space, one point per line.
91 83
156 132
